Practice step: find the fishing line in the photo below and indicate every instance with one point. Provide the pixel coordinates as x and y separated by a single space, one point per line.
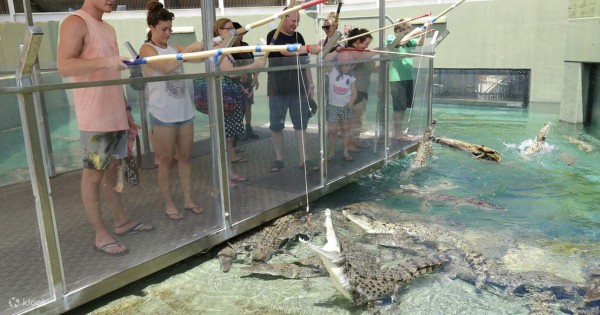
412 101
301 80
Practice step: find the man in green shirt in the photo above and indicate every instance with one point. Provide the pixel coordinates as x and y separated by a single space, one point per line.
401 73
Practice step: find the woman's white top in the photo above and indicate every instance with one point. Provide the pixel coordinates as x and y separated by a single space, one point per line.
168 101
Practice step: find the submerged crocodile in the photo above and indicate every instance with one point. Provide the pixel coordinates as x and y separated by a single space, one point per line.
424 150
306 268
360 282
258 247
473 267
582 145
456 202
538 143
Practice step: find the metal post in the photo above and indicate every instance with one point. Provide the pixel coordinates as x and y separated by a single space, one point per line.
148 160
35 159
321 100
430 92
40 104
216 118
382 109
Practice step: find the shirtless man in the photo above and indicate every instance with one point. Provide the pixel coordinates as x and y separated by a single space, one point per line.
88 51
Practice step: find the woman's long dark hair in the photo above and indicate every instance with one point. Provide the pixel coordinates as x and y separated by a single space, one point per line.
156 13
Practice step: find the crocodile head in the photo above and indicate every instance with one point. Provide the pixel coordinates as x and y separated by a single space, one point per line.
332 257
370 225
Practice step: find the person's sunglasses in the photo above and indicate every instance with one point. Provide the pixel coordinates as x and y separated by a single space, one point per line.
325 27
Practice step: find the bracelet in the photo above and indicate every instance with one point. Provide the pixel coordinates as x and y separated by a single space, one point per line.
128 108
308 49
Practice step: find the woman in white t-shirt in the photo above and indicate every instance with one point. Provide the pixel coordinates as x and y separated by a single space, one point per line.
170 109
341 96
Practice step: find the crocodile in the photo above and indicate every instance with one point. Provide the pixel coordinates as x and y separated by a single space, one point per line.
424 150
473 267
582 145
538 143
259 246
456 202
303 269
359 282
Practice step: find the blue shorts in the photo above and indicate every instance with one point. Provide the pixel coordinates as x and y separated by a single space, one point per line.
278 107
99 148
157 122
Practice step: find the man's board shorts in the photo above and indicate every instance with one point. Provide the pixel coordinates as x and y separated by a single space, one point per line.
99 148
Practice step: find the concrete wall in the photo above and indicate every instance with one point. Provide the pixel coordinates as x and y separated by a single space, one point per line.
510 34
582 50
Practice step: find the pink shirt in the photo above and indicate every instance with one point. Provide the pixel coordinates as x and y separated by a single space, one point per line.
100 108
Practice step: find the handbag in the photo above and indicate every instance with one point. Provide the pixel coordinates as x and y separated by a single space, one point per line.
135 71
232 95
133 160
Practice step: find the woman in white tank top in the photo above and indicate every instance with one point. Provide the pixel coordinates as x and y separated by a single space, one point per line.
171 109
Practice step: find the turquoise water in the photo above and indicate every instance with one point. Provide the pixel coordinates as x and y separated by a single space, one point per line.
549 231
552 222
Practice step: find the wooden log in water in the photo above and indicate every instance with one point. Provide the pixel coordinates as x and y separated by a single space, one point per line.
478 151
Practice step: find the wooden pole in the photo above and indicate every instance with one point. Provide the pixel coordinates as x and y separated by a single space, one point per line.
273 40
399 53
215 52
274 17
334 39
446 11
399 39
385 27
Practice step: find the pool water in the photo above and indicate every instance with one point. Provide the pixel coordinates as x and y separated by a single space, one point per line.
551 226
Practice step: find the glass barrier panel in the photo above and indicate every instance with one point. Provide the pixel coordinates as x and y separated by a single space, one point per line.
23 277
408 99
13 158
169 205
357 124
267 164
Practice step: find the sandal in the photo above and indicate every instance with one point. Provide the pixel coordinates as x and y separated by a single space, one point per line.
174 216
348 158
238 178
240 160
329 157
104 248
276 166
310 166
195 210
136 227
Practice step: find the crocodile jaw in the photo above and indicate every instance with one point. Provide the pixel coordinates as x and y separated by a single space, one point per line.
332 258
